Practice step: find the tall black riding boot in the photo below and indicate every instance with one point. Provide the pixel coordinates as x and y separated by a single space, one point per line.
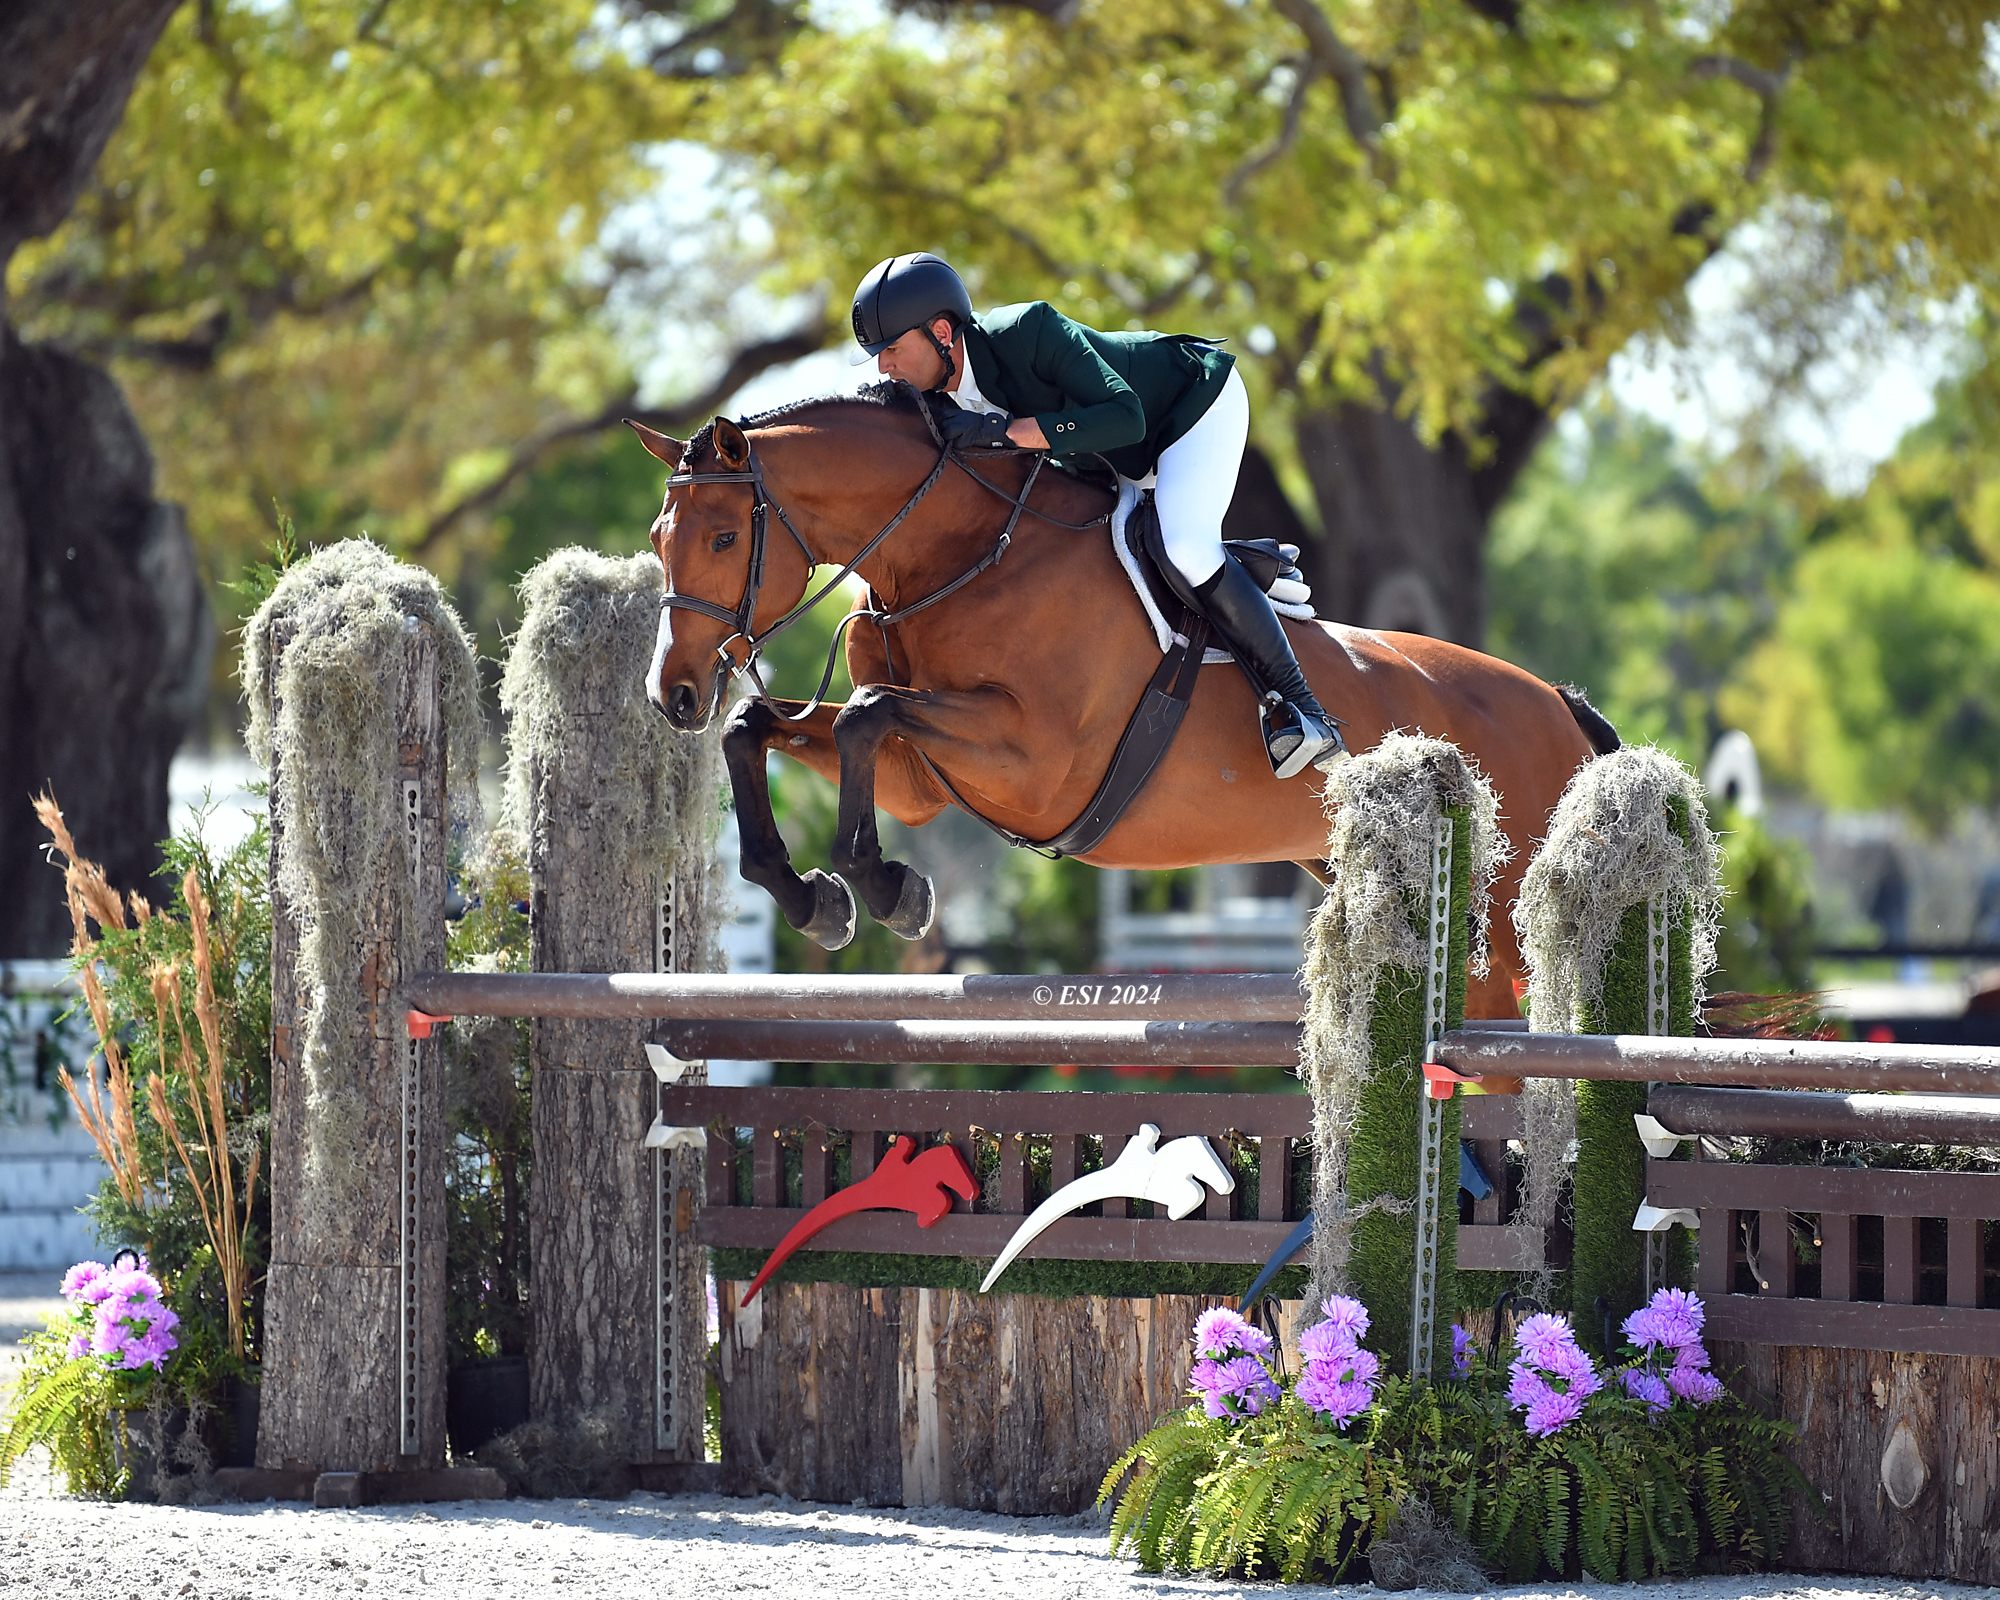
1298 733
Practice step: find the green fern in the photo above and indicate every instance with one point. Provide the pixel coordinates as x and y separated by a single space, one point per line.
1620 1495
68 1407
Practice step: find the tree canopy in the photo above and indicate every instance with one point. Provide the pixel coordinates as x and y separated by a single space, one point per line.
1413 201
349 254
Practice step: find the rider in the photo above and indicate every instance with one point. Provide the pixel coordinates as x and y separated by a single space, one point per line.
1156 406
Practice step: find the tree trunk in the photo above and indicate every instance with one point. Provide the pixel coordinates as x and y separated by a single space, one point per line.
618 1297
1902 1447
354 1371
1405 522
105 635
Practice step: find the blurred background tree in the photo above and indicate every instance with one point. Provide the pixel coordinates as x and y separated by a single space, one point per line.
402 265
1879 685
1429 225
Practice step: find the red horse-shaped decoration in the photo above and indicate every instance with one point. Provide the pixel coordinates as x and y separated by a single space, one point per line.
900 1183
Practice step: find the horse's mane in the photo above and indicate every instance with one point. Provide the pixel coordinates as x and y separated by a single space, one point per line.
887 395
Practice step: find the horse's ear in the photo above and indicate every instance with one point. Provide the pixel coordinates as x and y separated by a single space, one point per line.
732 444
666 448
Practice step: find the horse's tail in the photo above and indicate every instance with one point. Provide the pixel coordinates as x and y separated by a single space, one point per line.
1602 736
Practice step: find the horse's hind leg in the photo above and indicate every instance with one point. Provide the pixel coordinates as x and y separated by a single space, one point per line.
902 899
820 906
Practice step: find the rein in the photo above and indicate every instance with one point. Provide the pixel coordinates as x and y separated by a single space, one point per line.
762 503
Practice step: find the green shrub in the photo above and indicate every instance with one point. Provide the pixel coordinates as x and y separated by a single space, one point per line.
1620 1494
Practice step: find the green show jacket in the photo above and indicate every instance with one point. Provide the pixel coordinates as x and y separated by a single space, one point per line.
1124 396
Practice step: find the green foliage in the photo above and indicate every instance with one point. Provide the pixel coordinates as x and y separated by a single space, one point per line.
38 1037
1160 164
337 246
1052 1279
70 1407
1626 564
1051 911
166 1223
1880 685
1382 1148
1767 935
1615 1496
489 1163
1285 1495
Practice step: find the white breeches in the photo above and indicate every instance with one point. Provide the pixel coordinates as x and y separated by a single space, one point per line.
1196 480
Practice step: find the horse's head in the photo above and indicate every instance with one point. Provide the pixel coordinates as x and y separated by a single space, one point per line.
703 539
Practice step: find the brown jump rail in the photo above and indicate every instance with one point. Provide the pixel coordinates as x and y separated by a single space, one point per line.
1789 1114
788 997
1744 1063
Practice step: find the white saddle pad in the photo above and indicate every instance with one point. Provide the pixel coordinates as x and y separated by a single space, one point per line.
1288 599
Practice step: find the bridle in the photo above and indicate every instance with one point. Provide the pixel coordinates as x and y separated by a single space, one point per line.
740 619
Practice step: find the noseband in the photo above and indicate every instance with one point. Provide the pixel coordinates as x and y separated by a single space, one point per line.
762 504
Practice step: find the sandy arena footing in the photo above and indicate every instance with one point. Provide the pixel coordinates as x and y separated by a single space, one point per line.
648 1545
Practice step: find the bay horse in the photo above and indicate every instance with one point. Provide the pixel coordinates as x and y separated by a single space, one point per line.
1017 686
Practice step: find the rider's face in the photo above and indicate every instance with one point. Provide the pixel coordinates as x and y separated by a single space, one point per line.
914 359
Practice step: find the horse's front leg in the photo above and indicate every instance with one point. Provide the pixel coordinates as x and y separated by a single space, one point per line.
965 724
819 905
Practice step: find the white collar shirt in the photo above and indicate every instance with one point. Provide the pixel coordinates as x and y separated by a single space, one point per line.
967 393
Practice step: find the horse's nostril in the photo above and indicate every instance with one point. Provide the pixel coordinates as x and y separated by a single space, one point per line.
681 704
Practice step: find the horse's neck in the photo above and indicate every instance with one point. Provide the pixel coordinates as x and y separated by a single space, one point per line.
956 524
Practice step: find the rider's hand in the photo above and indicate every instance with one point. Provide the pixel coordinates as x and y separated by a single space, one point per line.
967 430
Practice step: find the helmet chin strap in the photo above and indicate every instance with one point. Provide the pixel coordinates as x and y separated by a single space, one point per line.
944 354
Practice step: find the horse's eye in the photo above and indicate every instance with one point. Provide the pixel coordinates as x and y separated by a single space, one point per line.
723 541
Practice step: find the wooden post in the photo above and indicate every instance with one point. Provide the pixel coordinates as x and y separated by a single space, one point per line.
1777 1265
1899 1261
619 1304
598 788
1965 1261
1838 1256
354 1307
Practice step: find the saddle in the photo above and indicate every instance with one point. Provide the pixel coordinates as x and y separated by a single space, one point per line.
1137 541
1184 637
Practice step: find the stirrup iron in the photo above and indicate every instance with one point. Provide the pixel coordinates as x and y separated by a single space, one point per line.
1295 739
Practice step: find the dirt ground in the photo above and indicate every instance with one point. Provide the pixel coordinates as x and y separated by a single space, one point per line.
648 1545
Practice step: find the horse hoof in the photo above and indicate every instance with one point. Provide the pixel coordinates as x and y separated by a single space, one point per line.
831 926
916 907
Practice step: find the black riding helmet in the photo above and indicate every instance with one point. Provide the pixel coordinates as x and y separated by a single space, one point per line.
907 292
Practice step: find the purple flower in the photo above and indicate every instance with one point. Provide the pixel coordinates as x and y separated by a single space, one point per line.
1356 1366
1550 1412
1692 1355
1339 1380
1671 1320
1325 1341
1649 1387
1568 1362
1461 1351
1340 1403
1542 1336
1238 1387
1694 1385
131 1324
1550 1377
1347 1317
1220 1331
84 1284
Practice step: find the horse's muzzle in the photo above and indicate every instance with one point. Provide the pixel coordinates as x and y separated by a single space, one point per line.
682 707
